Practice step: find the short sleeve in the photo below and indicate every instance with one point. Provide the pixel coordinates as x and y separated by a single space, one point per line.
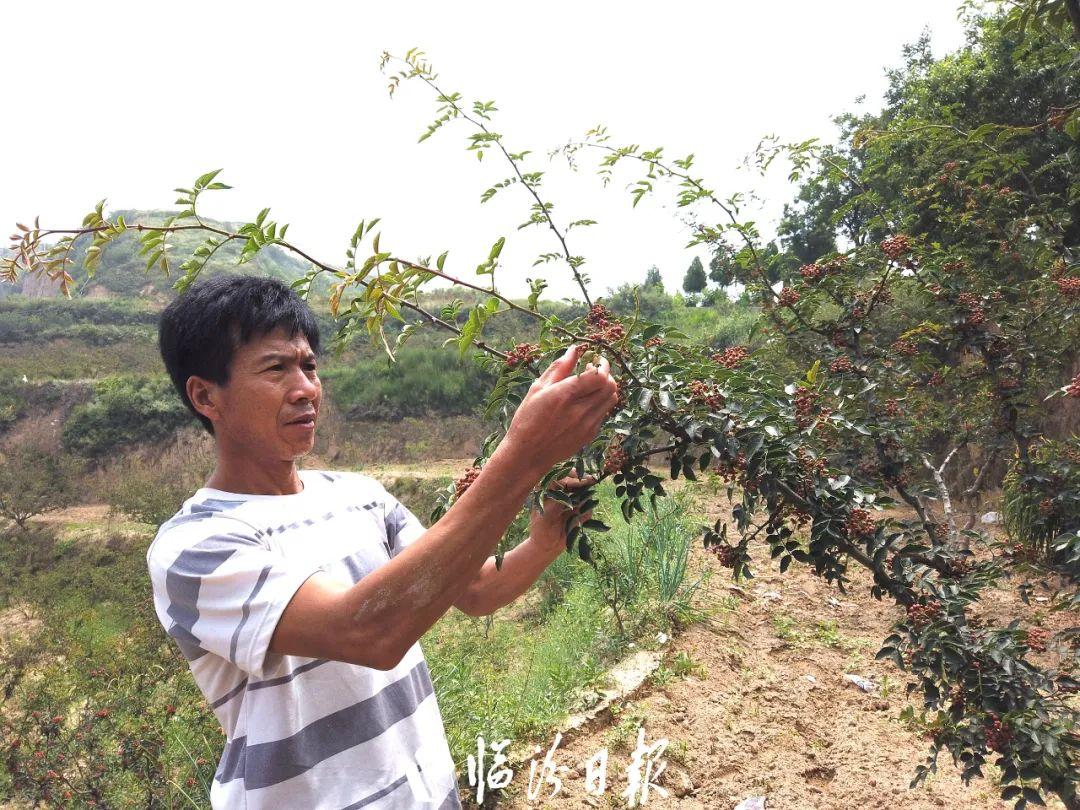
403 528
222 593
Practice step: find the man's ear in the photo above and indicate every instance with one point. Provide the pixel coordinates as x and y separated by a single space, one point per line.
203 396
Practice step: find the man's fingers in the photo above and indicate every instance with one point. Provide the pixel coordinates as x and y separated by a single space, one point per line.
589 382
563 367
602 366
572 482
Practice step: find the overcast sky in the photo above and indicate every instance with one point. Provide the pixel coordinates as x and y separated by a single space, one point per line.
127 102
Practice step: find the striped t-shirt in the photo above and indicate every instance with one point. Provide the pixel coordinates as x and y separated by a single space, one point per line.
300 732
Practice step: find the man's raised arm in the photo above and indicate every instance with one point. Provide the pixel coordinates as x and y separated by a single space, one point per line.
374 622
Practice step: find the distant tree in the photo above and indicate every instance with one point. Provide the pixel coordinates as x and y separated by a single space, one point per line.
721 268
694 281
34 480
652 278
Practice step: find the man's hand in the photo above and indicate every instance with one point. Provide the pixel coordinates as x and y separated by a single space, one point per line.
562 412
550 527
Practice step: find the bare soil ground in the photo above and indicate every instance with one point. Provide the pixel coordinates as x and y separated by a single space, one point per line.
768 712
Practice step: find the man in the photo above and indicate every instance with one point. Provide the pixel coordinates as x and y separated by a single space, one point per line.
298 596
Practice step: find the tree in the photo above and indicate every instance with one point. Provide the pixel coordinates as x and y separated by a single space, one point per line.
943 318
694 280
653 279
34 480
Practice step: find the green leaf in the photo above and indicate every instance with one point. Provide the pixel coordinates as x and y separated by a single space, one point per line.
205 179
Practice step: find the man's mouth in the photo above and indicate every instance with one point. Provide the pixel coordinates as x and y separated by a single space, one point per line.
307 420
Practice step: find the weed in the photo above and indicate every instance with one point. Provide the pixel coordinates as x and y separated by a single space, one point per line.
786 628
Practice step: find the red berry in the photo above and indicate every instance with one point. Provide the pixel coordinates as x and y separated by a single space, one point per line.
921 615
1068 287
860 524
1036 639
896 247
841 365
789 296
523 353
465 481
615 458
731 356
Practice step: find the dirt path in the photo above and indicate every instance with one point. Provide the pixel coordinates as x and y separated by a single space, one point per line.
768 713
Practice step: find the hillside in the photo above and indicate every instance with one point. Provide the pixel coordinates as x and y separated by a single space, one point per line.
123 273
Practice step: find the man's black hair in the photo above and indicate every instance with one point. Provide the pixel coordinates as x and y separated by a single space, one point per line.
200 331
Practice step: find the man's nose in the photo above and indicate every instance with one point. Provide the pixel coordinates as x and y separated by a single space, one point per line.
304 387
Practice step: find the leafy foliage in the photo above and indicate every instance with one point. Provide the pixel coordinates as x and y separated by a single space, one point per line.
124 411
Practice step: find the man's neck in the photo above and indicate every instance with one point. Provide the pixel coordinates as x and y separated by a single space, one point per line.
256 478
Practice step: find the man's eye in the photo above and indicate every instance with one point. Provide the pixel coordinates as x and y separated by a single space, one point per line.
276 367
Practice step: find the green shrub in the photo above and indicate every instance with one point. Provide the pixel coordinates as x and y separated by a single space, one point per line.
424 380
1043 504
100 707
34 480
124 411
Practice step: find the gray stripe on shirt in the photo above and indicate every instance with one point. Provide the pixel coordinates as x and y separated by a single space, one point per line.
374 797
183 581
236 690
246 611
452 800
300 670
264 764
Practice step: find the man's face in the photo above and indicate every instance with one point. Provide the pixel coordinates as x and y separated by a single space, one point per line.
271 403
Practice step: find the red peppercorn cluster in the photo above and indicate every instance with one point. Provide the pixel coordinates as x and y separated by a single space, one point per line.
973 305
841 365
810 465
804 406
1073 388
860 524
1036 639
960 566
922 615
522 354
953 267
1046 506
654 342
896 247
706 394
1008 383
892 407
998 735
958 698
1068 287
811 272
604 327
462 484
731 356
598 316
935 379
789 297
730 470
725 555
615 459
905 348
838 338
